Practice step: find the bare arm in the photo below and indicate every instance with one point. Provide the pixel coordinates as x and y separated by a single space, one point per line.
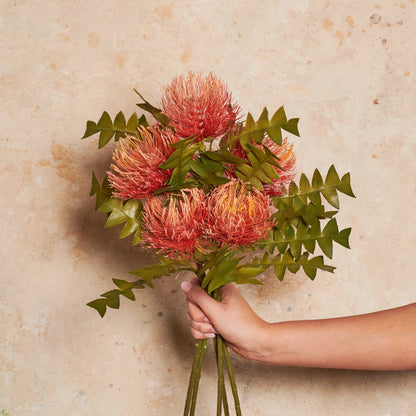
384 340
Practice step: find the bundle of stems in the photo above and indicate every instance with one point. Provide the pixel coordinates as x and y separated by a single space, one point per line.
222 357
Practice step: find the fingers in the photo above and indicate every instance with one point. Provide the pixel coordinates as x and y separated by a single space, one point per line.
201 330
199 323
198 297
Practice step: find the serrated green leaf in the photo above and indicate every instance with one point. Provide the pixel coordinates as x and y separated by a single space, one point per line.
119 121
330 194
317 181
345 186
122 284
154 111
110 205
102 192
154 271
115 218
105 137
128 293
279 270
325 243
292 126
107 129
342 237
332 178
90 129
100 305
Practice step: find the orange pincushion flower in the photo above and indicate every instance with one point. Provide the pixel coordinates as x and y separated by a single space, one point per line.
174 229
237 215
199 106
135 171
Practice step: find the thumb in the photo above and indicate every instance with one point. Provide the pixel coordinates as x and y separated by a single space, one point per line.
196 295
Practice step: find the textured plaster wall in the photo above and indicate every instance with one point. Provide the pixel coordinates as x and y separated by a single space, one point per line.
347 68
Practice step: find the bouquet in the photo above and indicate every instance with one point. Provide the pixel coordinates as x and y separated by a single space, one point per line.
213 192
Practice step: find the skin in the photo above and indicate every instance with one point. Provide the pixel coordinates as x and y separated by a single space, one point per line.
384 340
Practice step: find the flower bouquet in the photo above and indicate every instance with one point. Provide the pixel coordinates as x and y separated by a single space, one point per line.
212 192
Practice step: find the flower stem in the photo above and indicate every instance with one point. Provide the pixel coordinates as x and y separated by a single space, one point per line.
232 380
201 347
220 385
190 403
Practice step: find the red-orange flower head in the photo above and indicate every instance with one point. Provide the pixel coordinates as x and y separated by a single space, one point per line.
175 228
199 106
135 171
237 215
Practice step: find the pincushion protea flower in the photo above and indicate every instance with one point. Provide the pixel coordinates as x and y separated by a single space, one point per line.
238 215
174 227
199 106
135 171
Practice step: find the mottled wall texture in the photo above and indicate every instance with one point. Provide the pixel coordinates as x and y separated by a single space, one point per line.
346 68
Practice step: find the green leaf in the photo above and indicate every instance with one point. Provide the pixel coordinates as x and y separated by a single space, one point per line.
129 212
310 266
292 126
100 305
108 129
154 271
273 128
102 192
154 111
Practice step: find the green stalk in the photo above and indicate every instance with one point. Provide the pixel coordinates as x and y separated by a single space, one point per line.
232 380
201 347
220 384
192 380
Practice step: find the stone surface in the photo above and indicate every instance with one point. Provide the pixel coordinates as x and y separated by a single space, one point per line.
346 68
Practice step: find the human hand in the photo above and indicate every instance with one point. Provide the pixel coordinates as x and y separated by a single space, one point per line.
233 318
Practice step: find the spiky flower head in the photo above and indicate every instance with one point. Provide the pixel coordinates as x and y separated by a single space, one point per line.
174 227
199 106
238 214
135 171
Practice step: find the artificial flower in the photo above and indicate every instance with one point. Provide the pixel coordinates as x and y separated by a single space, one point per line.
238 214
199 106
173 225
135 171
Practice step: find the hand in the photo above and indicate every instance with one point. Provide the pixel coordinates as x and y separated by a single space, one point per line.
233 318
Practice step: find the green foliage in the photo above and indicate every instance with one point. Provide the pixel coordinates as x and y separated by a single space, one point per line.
102 192
298 224
310 266
128 213
154 111
119 128
299 195
272 127
307 236
111 299
301 222
261 168
180 163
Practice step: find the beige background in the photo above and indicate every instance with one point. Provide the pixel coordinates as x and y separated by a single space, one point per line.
346 68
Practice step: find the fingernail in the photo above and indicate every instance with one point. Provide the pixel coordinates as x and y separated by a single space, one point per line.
207 320
210 335
186 286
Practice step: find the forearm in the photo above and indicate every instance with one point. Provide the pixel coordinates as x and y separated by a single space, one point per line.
383 340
